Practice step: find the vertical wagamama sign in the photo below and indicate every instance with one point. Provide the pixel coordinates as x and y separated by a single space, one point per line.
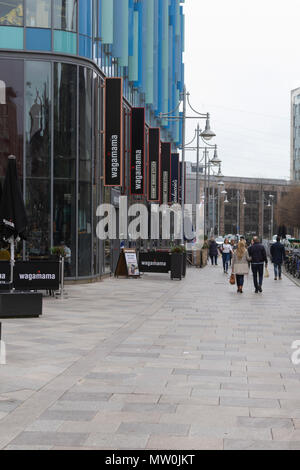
181 201
154 164
113 149
165 197
137 159
175 178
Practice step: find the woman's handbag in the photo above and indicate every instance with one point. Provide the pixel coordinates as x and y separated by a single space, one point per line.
232 279
267 273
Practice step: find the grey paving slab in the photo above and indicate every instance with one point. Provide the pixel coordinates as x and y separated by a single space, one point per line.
117 441
155 428
49 438
237 444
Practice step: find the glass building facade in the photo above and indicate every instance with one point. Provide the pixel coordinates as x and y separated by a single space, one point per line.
54 57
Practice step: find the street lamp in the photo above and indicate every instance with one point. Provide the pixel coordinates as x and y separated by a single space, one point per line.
207 134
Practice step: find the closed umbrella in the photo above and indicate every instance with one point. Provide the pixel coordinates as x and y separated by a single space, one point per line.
13 219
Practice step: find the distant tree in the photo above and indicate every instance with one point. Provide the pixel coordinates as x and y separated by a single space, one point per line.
288 209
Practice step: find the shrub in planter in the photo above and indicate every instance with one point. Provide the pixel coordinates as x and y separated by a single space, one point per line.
58 251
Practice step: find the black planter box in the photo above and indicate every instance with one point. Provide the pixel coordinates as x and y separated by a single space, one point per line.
176 265
183 264
20 304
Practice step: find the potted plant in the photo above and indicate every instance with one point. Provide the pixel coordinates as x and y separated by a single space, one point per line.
177 261
204 253
57 252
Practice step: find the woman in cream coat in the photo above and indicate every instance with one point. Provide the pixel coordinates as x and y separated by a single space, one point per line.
240 264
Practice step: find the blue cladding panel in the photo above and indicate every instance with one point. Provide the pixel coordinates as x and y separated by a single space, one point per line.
65 42
38 39
131 28
11 37
85 46
85 17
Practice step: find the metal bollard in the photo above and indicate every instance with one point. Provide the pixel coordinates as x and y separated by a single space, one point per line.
62 277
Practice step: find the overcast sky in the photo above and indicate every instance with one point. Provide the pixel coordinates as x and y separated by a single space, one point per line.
242 61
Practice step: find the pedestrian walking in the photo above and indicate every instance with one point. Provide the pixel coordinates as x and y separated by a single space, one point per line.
240 264
278 257
258 257
234 247
213 251
226 252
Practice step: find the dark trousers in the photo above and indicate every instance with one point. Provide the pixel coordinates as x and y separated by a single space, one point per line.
277 269
226 259
214 258
239 280
258 272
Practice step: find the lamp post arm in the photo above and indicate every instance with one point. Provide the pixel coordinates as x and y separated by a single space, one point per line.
207 143
162 115
194 110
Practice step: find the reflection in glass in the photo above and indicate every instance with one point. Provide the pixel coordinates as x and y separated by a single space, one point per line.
65 120
38 13
37 112
64 222
65 15
65 137
38 213
37 128
11 12
11 113
85 172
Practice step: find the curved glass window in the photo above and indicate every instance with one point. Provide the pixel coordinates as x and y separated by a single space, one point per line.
37 128
11 12
65 151
38 13
85 172
65 15
37 115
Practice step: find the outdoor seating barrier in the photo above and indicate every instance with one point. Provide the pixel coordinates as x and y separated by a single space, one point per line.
37 275
163 262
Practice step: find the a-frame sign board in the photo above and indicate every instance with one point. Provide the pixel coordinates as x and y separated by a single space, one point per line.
127 264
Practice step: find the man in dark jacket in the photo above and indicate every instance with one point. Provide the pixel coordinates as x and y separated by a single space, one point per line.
213 251
278 257
258 257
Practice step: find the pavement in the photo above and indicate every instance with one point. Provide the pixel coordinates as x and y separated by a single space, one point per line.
152 363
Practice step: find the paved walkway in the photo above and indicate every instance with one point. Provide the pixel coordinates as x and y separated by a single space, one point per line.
155 364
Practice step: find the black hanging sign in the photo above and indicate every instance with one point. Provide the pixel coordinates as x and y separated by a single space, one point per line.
137 166
174 178
180 183
113 153
165 197
154 164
